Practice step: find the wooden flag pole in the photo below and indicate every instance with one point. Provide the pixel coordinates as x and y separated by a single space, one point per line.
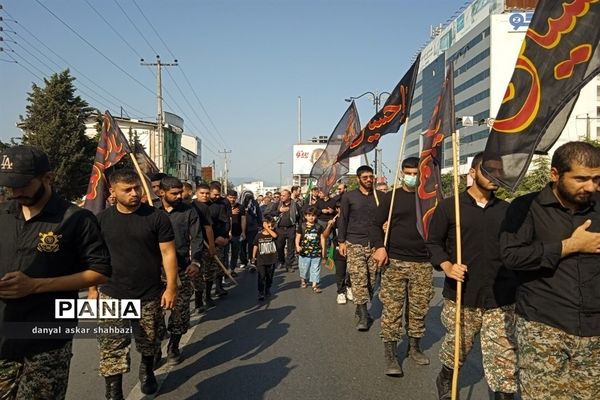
222 266
457 333
398 164
142 178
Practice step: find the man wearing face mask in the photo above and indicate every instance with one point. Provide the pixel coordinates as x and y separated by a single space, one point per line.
409 270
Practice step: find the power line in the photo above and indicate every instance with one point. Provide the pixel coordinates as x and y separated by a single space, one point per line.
95 48
119 103
185 77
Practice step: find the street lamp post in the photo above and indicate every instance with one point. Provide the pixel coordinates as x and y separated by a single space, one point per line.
376 102
280 174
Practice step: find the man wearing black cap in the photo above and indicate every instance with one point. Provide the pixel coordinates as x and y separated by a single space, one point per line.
49 249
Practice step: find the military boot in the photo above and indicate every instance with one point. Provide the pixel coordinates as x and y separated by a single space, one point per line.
173 353
114 387
444 383
503 396
392 367
363 317
415 353
207 297
199 303
219 290
148 382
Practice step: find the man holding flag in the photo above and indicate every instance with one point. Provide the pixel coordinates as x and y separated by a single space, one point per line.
488 289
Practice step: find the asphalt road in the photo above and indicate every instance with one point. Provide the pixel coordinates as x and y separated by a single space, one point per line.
297 345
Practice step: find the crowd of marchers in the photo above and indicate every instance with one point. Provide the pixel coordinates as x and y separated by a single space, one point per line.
529 278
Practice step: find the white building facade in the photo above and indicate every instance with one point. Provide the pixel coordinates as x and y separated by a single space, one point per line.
483 42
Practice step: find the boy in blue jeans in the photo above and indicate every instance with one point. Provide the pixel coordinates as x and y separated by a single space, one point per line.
266 250
310 245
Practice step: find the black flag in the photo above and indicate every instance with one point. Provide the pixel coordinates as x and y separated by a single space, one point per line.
557 58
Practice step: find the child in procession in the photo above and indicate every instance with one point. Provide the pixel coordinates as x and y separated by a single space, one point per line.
264 256
310 245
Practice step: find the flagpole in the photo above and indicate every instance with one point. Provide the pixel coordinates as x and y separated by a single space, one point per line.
142 178
457 338
398 164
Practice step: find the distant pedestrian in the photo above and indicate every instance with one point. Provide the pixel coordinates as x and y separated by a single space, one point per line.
237 231
264 256
253 225
286 214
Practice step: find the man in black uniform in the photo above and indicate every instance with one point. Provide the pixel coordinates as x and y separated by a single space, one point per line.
49 249
221 216
409 273
188 243
141 242
204 282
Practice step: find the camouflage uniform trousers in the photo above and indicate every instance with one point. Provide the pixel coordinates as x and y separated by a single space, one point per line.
362 270
208 270
497 329
114 347
40 376
554 365
396 278
179 319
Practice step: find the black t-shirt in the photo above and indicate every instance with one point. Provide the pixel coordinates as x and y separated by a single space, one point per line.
405 243
61 240
323 204
267 251
219 212
133 241
236 219
204 215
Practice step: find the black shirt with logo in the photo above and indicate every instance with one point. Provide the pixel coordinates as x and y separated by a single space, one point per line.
62 239
267 250
134 244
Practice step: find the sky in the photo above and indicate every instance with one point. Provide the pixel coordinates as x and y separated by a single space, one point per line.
242 65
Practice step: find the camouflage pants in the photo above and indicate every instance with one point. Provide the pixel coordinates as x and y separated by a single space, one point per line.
40 376
179 320
362 270
114 348
208 271
496 327
399 276
556 365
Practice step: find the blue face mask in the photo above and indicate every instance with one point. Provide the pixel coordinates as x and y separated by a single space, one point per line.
410 180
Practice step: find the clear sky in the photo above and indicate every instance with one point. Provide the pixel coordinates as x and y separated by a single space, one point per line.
246 60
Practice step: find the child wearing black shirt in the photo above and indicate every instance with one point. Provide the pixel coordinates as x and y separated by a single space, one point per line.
266 250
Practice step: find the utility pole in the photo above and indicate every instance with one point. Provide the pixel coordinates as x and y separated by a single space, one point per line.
225 169
280 174
159 150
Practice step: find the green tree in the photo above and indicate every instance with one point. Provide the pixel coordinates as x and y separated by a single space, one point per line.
54 122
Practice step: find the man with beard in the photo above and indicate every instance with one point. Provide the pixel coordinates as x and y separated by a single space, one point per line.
409 273
140 240
488 288
357 209
49 249
221 216
188 242
287 215
551 239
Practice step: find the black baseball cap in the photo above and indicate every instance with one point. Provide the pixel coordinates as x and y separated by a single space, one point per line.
20 164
